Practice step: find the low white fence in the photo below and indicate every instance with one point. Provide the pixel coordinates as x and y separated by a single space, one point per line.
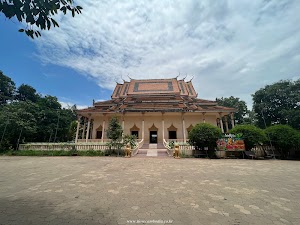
63 146
184 147
81 146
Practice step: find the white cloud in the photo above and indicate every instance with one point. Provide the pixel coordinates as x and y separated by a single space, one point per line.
232 47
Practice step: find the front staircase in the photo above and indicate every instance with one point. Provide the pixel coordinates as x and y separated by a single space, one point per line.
152 150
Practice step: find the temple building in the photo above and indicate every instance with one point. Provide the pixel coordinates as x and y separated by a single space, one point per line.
154 110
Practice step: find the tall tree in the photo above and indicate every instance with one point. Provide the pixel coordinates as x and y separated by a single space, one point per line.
236 103
114 132
26 93
7 88
277 104
37 14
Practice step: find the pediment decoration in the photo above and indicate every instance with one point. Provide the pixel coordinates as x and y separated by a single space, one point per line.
134 128
190 128
99 128
153 128
172 128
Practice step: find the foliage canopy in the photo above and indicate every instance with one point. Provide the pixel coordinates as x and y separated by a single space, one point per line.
278 103
36 13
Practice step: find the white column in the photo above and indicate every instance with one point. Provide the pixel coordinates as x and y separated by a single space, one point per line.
163 126
77 131
83 128
232 119
88 130
183 128
203 117
143 127
103 126
221 123
226 124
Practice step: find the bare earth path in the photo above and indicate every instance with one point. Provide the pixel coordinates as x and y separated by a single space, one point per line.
103 190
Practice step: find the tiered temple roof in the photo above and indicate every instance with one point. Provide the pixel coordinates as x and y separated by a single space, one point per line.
155 95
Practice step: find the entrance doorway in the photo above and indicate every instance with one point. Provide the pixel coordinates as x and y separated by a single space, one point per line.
153 136
99 134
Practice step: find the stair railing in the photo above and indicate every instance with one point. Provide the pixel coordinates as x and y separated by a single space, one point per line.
137 147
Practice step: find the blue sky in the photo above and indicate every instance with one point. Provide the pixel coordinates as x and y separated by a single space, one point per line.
230 47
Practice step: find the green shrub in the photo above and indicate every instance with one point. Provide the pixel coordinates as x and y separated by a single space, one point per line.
283 137
205 135
130 139
251 134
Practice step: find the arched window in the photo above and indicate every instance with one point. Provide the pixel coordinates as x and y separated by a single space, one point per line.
135 131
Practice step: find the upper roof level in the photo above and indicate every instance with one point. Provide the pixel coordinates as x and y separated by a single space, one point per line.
154 87
155 95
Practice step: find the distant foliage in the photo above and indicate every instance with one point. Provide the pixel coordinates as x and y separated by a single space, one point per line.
7 89
278 103
239 105
251 134
26 116
37 14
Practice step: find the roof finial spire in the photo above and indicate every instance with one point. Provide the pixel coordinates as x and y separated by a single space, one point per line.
191 79
177 75
122 78
184 77
129 76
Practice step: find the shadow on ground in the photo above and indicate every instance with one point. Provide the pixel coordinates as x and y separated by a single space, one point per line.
16 211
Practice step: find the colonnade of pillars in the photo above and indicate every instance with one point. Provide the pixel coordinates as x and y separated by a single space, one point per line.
220 122
88 125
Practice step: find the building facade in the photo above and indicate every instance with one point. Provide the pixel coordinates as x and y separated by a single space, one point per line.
154 110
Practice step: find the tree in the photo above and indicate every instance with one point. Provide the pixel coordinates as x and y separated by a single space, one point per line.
26 93
278 103
31 117
18 121
205 135
283 137
250 118
7 89
236 103
251 134
114 132
36 13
